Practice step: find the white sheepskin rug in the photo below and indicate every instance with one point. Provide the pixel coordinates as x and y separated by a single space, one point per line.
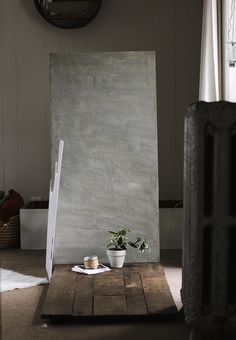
11 280
174 279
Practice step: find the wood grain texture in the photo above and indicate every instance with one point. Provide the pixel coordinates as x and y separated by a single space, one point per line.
110 283
134 291
110 305
60 295
135 299
157 295
83 302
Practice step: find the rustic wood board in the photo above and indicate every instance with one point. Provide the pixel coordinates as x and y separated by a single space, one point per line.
137 290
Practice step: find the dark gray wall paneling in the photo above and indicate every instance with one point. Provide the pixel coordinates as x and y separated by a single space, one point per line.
104 108
172 28
9 129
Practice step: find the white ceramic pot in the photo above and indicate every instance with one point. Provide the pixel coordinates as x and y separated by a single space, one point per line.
116 258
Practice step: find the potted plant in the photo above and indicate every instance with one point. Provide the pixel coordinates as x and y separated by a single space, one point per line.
116 249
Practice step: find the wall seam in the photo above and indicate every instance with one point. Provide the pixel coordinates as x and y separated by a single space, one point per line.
16 104
175 101
2 102
46 161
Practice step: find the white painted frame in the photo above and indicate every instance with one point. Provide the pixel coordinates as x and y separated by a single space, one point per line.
52 211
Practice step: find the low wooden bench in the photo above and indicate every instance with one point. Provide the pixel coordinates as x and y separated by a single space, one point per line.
137 290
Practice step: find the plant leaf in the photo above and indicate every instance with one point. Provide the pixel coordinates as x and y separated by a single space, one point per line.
123 231
132 244
120 240
112 232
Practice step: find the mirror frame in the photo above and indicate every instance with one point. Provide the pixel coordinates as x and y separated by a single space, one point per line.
81 21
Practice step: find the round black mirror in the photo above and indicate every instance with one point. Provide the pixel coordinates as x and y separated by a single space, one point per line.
68 13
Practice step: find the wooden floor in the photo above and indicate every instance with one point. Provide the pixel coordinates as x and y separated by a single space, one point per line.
137 290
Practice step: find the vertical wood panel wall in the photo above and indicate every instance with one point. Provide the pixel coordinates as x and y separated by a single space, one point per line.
171 27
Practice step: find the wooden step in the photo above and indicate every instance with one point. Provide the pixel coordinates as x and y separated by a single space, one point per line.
137 290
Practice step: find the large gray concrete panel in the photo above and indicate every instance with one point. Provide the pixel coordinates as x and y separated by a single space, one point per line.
104 108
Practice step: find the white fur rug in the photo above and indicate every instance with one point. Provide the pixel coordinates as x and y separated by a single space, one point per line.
174 279
11 280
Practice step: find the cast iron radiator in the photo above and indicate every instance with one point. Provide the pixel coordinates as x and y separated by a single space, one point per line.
209 249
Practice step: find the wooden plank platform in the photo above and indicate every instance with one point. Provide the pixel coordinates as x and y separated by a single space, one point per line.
137 290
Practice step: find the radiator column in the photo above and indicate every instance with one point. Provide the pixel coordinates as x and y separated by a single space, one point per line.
209 247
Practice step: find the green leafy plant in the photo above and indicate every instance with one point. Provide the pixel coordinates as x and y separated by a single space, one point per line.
119 241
